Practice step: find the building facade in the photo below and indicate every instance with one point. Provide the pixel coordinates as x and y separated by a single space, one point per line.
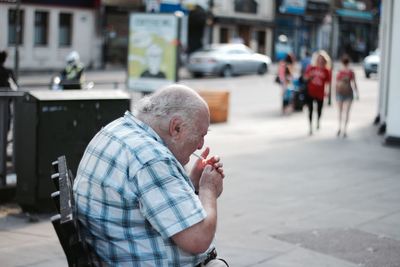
248 21
389 78
49 31
337 26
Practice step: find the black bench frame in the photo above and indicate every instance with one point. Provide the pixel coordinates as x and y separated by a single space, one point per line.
65 222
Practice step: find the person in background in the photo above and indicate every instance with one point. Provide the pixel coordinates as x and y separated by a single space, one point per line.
346 86
317 77
136 203
72 77
300 85
285 74
305 62
5 73
7 82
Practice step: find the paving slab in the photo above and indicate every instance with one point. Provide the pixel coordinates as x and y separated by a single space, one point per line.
359 247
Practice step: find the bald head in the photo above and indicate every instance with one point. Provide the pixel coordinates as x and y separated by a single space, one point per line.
172 100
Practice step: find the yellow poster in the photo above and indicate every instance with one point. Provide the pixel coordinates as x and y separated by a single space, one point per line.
152 56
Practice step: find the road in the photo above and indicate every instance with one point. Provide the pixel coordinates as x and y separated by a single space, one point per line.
289 199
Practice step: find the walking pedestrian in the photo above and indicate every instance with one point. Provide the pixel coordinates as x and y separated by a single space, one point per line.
346 88
286 75
7 77
8 83
317 77
300 83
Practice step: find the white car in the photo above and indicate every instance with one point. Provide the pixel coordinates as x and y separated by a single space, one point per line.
227 60
371 63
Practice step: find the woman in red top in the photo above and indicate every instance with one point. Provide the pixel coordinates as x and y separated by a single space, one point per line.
345 85
318 76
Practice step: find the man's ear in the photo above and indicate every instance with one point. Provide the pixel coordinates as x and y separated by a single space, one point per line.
175 126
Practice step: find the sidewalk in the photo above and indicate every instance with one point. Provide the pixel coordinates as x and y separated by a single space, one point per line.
289 200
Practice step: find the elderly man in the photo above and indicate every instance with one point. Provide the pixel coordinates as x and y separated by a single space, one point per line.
136 203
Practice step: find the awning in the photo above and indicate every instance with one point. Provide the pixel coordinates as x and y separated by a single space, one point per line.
294 7
356 14
243 21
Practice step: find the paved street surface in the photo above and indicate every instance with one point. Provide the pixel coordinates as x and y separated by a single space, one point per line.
289 200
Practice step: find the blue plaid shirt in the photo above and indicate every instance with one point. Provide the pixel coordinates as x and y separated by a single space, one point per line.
132 195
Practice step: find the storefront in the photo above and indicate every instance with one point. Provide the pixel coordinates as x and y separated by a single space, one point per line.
358 28
299 23
115 19
338 27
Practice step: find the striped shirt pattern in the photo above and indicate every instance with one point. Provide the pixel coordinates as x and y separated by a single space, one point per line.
132 195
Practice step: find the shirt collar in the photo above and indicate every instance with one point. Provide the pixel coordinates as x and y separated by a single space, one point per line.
131 119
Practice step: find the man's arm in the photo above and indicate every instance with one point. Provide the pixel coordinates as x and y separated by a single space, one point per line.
197 238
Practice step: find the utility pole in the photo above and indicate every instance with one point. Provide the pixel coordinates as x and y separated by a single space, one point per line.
17 39
331 47
210 21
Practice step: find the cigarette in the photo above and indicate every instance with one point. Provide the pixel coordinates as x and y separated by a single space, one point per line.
198 156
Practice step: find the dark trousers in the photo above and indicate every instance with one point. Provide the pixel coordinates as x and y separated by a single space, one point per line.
310 104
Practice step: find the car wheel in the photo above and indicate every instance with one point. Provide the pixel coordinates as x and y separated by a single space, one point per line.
262 69
367 74
227 71
197 74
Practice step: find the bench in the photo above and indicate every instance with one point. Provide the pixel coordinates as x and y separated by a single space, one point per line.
65 222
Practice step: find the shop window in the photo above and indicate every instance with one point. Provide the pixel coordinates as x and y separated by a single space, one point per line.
224 35
246 6
41 28
65 29
260 41
12 27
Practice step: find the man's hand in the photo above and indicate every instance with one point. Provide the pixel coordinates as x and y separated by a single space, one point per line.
211 181
199 165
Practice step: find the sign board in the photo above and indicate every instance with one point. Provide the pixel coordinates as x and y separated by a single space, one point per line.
153 50
295 7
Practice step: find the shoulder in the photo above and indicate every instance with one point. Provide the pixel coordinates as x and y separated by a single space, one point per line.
142 145
310 68
345 72
341 71
122 149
